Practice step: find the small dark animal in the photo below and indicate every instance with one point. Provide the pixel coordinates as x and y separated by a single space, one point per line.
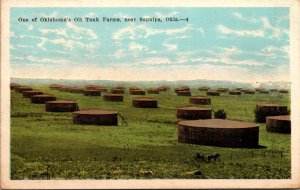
209 158
214 157
200 156
198 172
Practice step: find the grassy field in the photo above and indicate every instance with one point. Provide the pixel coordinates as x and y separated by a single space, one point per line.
48 145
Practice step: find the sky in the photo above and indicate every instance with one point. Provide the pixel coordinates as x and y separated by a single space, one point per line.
236 44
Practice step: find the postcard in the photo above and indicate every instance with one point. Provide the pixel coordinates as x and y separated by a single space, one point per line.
161 94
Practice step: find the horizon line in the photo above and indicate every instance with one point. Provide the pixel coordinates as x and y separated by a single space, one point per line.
147 80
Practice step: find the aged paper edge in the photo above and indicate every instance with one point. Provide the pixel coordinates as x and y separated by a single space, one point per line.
6 183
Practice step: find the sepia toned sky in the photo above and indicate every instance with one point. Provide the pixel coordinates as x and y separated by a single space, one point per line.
238 44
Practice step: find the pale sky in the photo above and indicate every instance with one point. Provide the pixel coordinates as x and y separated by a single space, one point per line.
239 44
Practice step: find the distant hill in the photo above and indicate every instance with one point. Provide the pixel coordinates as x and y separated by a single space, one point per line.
191 83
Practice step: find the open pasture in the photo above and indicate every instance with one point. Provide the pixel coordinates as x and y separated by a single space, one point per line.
48 145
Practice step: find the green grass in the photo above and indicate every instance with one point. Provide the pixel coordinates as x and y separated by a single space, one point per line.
48 145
